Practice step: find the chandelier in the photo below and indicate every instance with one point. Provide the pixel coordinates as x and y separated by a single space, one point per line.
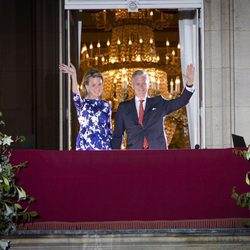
132 47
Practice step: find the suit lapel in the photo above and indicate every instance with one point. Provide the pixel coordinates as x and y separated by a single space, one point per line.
148 105
133 110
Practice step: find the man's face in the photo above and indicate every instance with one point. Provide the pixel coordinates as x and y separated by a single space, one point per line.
140 86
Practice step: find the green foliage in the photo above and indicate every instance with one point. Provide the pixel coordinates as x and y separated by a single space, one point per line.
243 153
13 209
242 200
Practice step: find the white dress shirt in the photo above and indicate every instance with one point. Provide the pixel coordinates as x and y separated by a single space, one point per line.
191 89
137 103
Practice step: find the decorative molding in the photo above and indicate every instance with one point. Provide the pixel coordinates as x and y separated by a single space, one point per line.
230 239
132 5
125 4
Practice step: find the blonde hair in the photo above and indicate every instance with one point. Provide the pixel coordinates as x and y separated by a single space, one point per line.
85 80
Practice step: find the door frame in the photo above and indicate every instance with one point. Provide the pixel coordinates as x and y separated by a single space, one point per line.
133 5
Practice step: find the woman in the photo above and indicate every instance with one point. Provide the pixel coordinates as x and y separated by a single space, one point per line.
94 114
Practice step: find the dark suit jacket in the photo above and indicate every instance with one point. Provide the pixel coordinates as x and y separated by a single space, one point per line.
155 111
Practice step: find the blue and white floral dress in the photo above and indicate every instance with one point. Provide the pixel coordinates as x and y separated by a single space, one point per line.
94 117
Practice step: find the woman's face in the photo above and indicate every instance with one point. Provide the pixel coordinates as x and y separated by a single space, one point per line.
94 88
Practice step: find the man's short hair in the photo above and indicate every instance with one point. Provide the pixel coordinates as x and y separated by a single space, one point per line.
140 72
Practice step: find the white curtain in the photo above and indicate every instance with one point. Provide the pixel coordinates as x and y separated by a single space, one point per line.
188 31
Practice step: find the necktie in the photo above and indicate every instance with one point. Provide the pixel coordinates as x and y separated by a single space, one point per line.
141 113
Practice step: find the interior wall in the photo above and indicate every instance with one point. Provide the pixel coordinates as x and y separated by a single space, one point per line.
29 32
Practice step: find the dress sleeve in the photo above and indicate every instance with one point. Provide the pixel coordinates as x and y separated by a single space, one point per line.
78 102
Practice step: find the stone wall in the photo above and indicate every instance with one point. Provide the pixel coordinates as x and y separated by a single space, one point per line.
227 69
140 240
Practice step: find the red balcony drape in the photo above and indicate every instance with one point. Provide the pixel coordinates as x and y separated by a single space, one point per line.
133 189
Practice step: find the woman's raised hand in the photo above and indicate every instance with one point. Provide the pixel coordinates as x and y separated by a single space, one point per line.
71 70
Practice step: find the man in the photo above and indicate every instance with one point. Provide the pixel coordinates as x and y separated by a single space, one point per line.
143 117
